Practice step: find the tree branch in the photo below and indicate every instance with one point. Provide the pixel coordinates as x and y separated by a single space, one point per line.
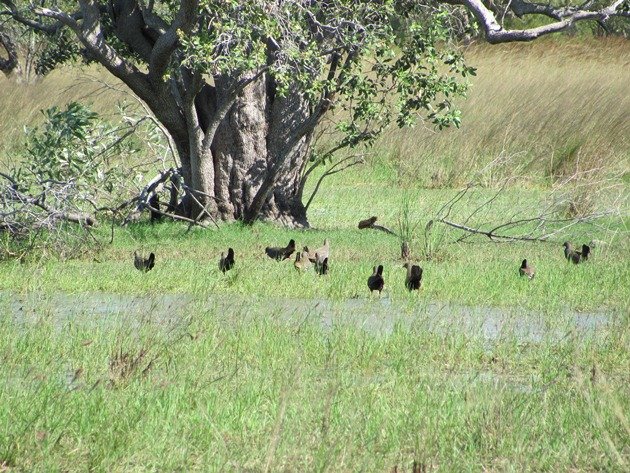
167 42
565 17
51 28
14 194
142 200
91 36
8 65
545 237
334 169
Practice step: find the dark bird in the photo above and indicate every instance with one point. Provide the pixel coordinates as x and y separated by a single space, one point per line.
227 262
154 203
570 254
526 270
404 251
302 263
321 264
142 264
376 281
322 253
586 251
280 254
367 223
413 280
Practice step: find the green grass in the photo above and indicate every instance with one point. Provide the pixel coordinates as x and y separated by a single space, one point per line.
476 271
245 377
232 393
247 382
472 273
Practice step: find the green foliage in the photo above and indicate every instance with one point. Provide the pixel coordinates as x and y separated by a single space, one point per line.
73 164
377 61
74 145
62 149
57 50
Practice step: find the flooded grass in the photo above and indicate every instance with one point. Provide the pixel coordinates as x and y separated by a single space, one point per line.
378 317
236 386
184 368
476 273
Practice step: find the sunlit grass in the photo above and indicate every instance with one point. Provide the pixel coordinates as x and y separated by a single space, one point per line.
540 110
257 393
238 373
476 272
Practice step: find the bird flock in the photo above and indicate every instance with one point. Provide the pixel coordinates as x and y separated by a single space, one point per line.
318 259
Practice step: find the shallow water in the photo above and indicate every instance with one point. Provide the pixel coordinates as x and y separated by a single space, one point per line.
96 309
373 315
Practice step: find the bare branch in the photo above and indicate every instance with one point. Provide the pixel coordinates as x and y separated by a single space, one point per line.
565 17
12 194
148 113
545 237
334 169
384 229
142 200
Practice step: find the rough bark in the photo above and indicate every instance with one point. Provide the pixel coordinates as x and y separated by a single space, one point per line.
249 153
10 64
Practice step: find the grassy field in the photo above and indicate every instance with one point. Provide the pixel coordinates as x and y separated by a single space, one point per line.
227 392
263 369
475 272
540 111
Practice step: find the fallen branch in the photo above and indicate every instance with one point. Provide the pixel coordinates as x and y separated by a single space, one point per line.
177 217
204 209
492 235
369 223
149 190
143 201
384 229
14 194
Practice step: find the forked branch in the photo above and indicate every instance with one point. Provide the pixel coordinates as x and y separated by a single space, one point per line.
564 17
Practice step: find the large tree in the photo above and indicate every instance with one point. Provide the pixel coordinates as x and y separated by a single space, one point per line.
242 85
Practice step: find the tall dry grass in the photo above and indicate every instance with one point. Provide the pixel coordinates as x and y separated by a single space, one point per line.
539 112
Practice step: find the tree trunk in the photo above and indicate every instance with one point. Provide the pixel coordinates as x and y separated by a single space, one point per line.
249 152
8 66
